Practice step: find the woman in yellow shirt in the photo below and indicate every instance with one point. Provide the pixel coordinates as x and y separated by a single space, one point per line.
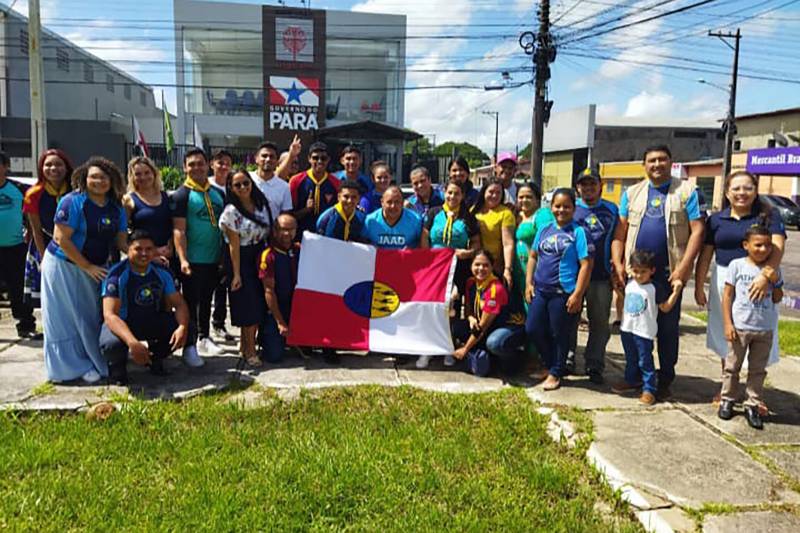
497 224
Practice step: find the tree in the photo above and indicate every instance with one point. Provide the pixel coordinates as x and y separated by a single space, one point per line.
526 152
423 146
474 155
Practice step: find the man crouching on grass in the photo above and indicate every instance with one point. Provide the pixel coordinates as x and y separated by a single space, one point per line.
139 301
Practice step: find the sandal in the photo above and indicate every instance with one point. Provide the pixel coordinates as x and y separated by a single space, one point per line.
551 383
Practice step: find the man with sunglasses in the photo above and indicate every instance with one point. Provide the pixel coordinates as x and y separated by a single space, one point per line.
313 191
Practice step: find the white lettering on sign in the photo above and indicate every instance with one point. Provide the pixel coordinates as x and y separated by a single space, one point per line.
285 120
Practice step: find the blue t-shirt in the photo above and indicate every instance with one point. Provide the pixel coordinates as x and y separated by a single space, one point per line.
559 253
405 233
157 221
141 295
653 230
726 233
12 195
94 227
331 224
420 207
363 180
458 236
600 220
748 315
370 202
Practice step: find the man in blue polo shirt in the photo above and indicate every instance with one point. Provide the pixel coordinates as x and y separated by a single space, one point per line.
138 301
426 196
661 215
344 221
393 226
13 250
599 218
351 159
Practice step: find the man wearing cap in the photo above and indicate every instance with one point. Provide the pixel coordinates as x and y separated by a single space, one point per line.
506 169
599 217
661 214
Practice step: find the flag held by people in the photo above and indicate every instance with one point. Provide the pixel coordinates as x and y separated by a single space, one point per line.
355 297
138 138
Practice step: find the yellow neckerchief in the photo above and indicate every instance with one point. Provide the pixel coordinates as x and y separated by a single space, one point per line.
347 220
56 193
451 215
194 186
317 186
479 288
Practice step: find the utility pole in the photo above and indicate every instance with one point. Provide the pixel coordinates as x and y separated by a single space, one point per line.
544 52
496 115
36 76
730 120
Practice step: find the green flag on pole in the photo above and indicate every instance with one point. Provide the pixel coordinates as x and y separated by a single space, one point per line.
169 140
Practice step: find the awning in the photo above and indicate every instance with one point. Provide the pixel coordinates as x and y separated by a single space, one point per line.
368 130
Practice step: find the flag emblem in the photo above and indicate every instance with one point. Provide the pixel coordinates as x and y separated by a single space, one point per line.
293 91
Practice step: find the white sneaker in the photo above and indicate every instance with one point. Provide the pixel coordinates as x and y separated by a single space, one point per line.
449 360
191 358
91 376
423 360
206 346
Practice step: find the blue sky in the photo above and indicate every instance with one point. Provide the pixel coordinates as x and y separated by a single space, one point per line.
648 70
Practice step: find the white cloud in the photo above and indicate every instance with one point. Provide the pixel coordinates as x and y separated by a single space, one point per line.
646 104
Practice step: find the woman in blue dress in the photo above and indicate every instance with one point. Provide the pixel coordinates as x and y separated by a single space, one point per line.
89 222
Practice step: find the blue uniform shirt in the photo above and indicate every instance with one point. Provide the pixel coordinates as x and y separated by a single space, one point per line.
405 233
457 237
141 295
559 252
12 194
600 220
370 202
653 230
363 180
94 227
331 224
421 208
726 233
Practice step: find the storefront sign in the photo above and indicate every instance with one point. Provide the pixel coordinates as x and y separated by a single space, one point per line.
294 73
774 161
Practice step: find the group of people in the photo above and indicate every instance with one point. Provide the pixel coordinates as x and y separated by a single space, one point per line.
525 266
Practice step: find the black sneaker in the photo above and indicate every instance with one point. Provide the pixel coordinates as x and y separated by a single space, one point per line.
223 334
753 416
596 377
30 334
725 411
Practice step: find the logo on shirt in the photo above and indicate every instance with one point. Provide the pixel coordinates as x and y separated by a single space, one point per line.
371 299
111 288
635 304
391 240
655 208
147 295
61 215
5 202
555 244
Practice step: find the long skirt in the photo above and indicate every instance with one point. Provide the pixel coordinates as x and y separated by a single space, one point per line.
715 335
71 315
248 306
33 277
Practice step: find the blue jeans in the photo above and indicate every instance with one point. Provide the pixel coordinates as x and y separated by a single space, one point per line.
668 335
639 363
272 342
506 343
549 326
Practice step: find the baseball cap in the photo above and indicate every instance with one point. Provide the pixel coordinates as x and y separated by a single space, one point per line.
589 173
506 156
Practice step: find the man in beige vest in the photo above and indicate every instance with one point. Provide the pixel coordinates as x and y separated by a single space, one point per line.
662 215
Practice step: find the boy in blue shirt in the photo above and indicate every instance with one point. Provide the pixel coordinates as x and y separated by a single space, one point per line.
748 326
138 298
393 226
599 218
344 221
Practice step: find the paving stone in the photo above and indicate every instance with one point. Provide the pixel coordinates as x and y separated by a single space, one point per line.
782 426
18 378
450 380
670 454
748 522
787 460
666 521
314 373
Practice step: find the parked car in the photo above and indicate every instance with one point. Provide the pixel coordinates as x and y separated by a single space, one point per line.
789 211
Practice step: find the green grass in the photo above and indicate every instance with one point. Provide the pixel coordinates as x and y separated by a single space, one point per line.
788 333
358 459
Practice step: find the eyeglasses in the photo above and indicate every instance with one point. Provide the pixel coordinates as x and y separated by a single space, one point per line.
241 185
319 158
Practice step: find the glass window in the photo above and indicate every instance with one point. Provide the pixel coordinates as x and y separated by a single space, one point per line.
110 83
62 59
23 41
127 91
143 98
88 72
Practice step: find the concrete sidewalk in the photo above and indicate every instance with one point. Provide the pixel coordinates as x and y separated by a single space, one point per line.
677 464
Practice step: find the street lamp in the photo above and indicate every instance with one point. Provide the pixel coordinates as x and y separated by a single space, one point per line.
716 86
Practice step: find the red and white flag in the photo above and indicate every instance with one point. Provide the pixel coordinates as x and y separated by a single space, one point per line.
293 91
357 297
138 138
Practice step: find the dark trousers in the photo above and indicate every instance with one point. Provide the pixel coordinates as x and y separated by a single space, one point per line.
668 336
12 272
198 289
549 326
220 305
157 334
